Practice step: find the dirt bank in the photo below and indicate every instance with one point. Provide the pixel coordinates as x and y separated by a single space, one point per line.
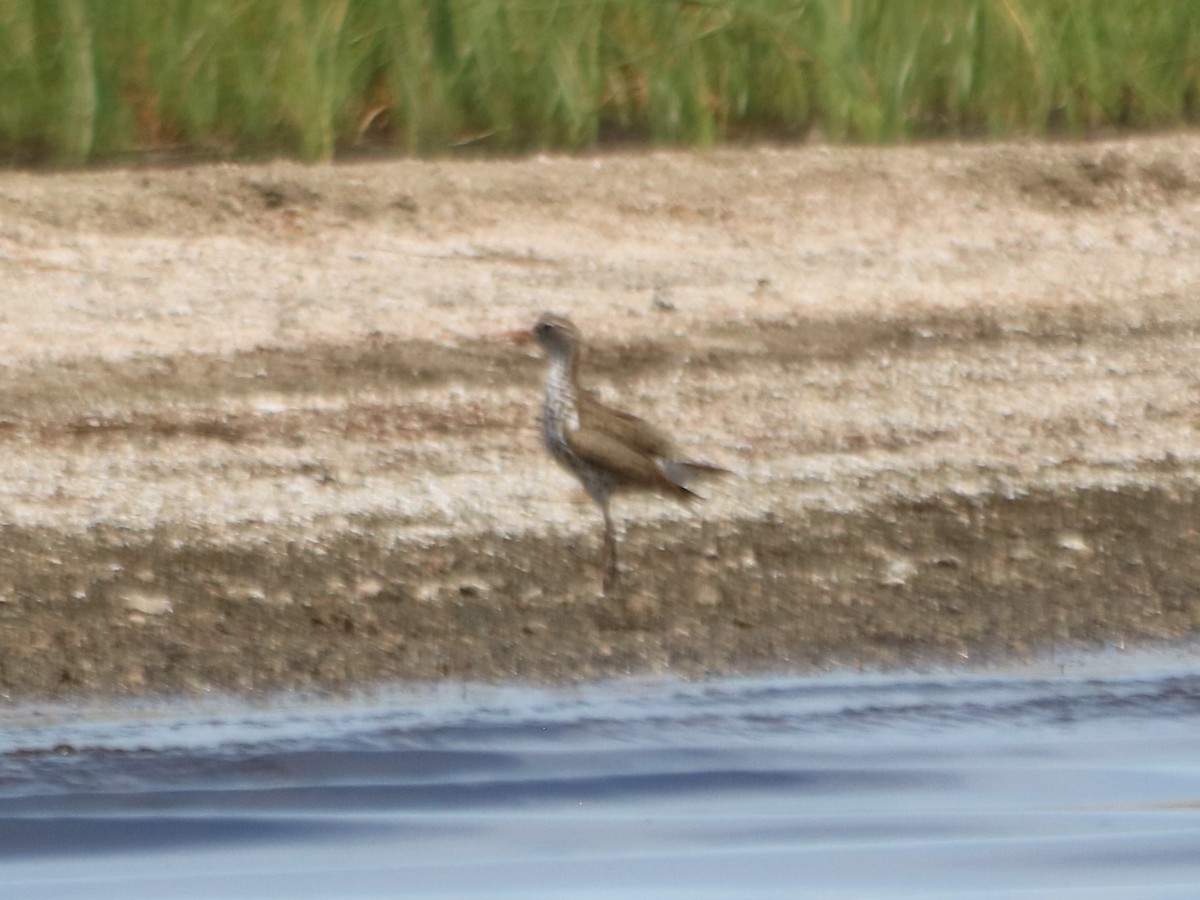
261 429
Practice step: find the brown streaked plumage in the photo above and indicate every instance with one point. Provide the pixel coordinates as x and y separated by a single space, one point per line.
606 449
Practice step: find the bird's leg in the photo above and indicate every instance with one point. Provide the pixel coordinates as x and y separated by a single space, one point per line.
609 562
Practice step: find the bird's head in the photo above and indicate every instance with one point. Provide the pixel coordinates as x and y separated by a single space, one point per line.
556 335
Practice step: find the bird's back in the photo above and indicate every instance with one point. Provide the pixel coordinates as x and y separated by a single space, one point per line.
640 455
634 432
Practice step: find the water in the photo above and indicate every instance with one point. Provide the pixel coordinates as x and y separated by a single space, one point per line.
1075 780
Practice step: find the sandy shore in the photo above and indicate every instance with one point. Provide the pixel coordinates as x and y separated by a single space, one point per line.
261 428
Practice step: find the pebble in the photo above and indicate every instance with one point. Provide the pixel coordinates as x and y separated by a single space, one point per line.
146 604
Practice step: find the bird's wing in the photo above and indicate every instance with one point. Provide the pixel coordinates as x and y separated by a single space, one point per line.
624 427
630 466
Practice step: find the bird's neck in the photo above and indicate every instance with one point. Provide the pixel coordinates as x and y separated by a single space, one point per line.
562 386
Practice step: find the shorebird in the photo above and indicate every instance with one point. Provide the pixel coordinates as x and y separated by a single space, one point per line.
606 449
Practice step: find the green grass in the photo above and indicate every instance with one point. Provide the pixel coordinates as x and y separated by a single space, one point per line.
88 80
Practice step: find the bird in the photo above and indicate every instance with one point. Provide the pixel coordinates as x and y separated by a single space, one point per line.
607 449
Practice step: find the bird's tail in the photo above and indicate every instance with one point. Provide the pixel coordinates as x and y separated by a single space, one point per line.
685 472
